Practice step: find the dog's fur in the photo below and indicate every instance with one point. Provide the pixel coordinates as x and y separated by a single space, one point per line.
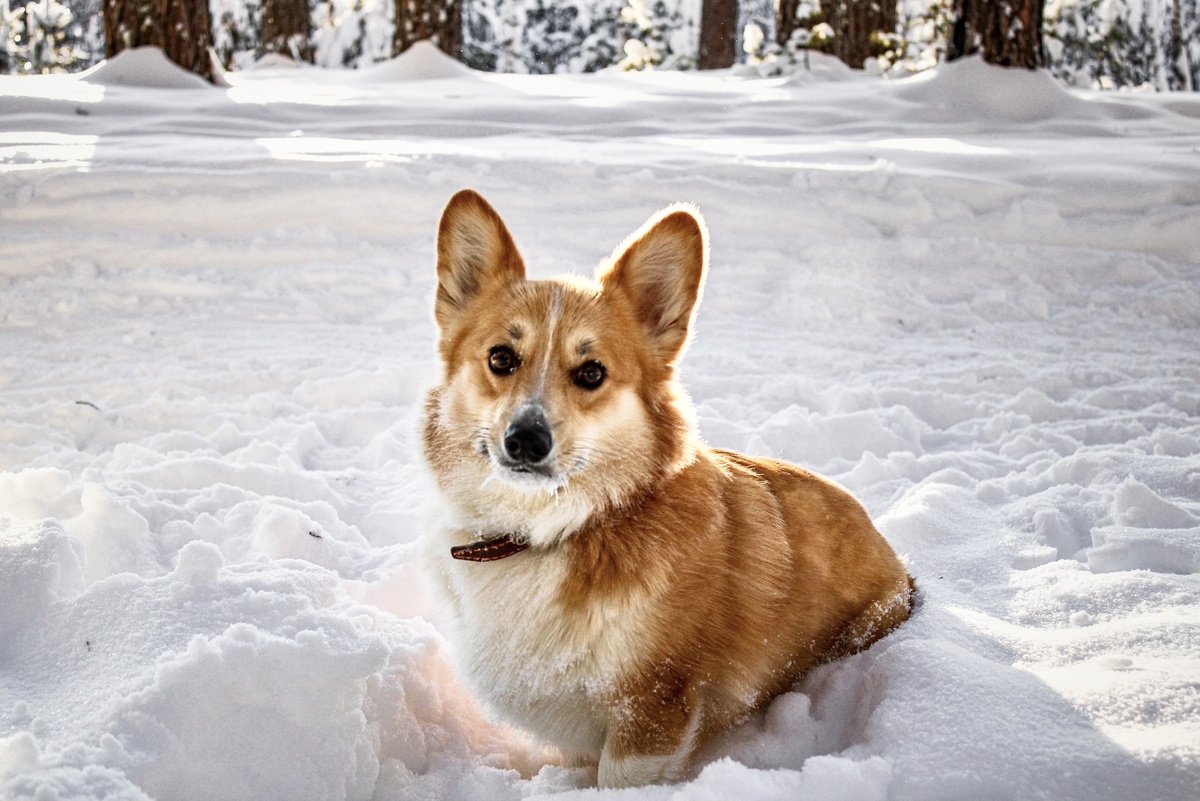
669 589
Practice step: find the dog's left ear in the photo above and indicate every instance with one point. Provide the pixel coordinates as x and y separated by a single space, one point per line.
661 269
474 252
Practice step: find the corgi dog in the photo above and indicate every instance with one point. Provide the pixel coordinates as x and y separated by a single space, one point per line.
619 590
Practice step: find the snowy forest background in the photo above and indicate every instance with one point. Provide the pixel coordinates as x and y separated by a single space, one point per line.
1097 43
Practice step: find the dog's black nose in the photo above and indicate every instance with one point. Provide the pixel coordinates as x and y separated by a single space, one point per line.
528 439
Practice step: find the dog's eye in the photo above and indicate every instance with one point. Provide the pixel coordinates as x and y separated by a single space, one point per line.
590 375
502 360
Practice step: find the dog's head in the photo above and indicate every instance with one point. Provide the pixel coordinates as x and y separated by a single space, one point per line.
560 391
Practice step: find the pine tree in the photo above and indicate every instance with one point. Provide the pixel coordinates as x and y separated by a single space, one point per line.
1177 64
1190 22
180 27
12 32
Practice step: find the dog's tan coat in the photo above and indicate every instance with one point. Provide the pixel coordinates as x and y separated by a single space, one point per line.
670 588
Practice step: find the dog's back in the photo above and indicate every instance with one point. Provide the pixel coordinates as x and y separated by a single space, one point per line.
753 571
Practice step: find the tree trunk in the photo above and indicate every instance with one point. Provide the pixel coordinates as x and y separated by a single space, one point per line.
180 27
439 21
286 29
1005 32
785 20
718 34
854 22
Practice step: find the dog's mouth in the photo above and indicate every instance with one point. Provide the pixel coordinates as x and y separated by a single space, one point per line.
536 473
503 466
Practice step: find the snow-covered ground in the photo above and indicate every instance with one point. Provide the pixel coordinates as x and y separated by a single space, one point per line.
971 297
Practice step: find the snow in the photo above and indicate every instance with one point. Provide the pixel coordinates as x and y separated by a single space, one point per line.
972 297
421 62
142 66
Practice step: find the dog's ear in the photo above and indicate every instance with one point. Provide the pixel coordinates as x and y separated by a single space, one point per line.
474 252
661 269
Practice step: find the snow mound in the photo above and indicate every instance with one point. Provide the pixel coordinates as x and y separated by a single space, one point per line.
814 68
146 67
421 62
971 89
327 697
823 67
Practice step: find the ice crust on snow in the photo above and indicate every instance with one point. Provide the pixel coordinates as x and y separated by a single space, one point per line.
971 297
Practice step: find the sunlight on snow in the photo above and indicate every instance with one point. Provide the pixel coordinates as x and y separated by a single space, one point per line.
952 147
318 88
329 149
646 87
975 305
840 155
579 150
37 150
304 94
54 87
758 147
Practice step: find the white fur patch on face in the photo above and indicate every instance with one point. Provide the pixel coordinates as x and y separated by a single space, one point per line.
553 315
621 426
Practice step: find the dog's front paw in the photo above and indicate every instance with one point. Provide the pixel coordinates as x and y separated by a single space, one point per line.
570 760
636 770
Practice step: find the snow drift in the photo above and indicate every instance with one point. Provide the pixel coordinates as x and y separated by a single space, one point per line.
971 298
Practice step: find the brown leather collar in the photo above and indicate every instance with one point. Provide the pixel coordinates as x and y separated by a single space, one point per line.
489 550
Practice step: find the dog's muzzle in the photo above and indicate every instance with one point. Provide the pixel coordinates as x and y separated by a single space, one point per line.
528 440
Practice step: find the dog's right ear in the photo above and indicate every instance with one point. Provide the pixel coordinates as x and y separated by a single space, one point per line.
474 252
660 270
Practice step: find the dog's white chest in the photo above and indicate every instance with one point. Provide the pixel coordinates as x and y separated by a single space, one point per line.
547 673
